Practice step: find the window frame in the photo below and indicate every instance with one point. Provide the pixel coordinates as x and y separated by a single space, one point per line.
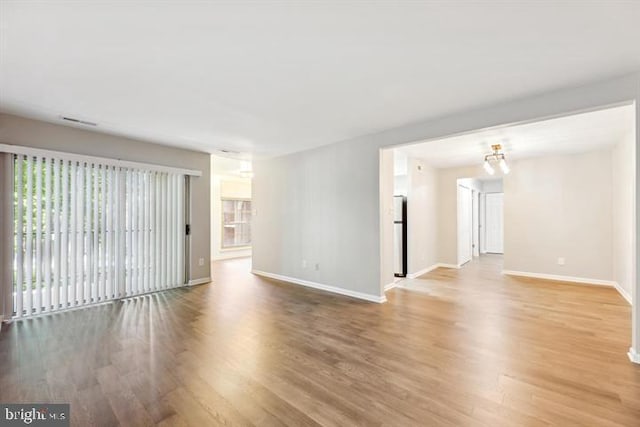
224 248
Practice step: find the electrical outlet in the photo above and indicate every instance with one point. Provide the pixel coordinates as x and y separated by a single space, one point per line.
560 261
304 263
201 262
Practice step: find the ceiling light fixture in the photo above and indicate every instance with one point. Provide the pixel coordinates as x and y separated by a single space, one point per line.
496 156
504 166
490 170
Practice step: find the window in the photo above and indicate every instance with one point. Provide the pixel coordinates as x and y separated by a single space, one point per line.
236 223
87 232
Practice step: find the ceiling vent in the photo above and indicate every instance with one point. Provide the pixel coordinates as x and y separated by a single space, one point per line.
78 121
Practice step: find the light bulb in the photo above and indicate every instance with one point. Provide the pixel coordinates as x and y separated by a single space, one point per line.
488 168
504 167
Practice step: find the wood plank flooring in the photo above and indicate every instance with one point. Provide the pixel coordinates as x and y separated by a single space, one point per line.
456 348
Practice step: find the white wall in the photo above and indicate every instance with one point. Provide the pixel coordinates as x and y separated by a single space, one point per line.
492 186
400 177
560 206
400 163
400 185
422 216
623 179
231 187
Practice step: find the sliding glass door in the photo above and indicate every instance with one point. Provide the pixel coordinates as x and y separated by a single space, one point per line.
86 232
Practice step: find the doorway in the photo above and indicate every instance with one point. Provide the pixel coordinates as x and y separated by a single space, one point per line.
480 218
521 228
494 215
232 213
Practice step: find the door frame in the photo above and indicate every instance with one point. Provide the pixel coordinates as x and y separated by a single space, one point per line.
470 225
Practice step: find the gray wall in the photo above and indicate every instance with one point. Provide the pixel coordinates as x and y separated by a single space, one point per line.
32 133
6 236
554 206
560 207
387 215
323 204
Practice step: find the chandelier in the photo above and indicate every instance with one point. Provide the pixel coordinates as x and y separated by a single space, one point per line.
496 156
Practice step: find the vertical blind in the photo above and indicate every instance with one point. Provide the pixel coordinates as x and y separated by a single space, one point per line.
86 233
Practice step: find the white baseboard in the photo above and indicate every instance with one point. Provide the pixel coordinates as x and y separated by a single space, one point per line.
431 268
243 253
571 279
443 265
390 286
634 356
623 292
200 281
559 278
322 287
421 272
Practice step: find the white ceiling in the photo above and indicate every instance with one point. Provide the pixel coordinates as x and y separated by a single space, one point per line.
570 134
276 77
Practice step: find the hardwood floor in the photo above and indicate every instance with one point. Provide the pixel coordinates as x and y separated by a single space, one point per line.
459 347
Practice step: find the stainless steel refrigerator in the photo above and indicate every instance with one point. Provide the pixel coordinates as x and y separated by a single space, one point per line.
400 236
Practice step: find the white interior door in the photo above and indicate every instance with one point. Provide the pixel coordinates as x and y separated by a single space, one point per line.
475 230
495 223
465 218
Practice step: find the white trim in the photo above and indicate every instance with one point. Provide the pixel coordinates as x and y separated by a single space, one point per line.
634 356
322 287
581 280
623 292
30 151
423 271
200 281
390 286
454 266
236 248
223 256
431 268
596 282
